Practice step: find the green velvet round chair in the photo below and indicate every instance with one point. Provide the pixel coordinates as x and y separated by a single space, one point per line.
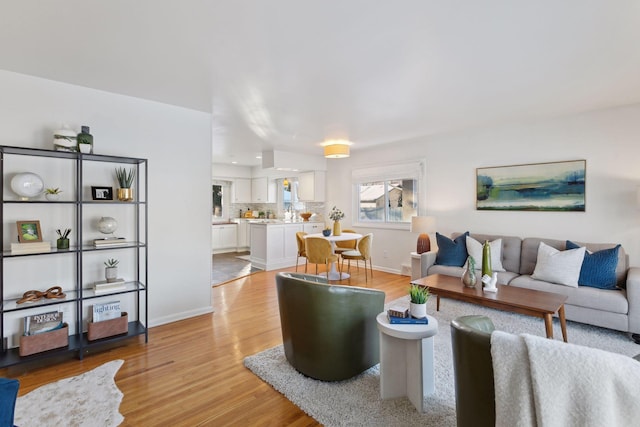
329 332
473 371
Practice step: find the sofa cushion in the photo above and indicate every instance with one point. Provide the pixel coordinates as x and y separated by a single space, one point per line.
474 249
598 268
451 252
504 277
529 255
511 246
561 267
583 296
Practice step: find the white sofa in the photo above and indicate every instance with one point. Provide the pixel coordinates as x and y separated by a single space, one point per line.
615 309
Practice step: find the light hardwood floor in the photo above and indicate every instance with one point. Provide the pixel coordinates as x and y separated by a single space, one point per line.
190 373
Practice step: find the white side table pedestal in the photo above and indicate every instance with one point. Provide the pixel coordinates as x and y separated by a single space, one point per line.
406 360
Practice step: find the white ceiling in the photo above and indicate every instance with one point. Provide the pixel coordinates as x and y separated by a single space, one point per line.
288 74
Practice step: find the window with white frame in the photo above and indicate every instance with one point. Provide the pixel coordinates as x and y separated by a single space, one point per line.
387 195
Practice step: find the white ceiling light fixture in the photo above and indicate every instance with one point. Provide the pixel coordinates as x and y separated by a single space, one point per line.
337 149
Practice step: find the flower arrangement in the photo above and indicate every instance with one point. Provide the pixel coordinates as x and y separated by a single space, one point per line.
336 214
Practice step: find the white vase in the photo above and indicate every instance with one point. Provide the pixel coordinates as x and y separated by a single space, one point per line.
52 197
418 311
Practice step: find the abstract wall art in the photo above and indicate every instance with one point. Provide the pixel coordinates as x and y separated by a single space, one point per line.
555 186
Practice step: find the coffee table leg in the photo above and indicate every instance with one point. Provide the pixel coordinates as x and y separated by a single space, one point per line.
563 323
548 325
437 302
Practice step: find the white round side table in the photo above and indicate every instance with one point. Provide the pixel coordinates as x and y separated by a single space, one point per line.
406 360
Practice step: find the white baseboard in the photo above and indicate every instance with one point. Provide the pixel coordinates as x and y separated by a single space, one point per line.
179 316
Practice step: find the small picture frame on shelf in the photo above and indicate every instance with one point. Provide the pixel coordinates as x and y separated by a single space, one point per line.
102 193
29 231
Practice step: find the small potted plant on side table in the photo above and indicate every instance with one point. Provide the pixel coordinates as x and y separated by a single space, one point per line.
418 305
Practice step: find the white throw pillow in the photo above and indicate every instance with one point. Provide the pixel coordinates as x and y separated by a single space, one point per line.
474 248
561 267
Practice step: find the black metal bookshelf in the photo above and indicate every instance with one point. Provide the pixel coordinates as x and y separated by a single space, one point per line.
81 291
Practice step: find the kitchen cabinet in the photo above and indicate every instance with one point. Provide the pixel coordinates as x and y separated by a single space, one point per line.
312 227
241 190
273 244
311 186
243 234
223 237
263 190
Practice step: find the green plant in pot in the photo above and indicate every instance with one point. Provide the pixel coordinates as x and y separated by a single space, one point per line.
111 269
418 301
125 180
52 194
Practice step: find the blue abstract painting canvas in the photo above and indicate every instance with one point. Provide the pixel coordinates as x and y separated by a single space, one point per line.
556 186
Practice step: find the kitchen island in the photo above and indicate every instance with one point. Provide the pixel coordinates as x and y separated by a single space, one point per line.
273 242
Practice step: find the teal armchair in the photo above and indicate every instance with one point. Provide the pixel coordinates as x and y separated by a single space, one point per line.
329 332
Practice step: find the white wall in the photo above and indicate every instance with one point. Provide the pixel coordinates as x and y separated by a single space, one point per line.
607 139
177 143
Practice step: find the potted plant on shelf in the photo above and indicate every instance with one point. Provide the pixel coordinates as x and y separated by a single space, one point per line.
418 304
125 180
111 270
52 194
63 240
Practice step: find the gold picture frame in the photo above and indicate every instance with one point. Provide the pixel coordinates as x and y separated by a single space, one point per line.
29 231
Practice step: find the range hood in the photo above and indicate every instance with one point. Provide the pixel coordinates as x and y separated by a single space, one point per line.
287 161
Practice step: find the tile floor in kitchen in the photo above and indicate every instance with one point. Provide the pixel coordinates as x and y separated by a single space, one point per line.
229 266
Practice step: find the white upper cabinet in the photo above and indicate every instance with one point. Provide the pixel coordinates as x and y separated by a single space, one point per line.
311 186
263 190
241 190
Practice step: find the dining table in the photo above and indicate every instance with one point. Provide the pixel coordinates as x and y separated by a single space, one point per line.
334 274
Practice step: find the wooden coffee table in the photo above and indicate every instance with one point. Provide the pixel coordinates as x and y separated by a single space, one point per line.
508 298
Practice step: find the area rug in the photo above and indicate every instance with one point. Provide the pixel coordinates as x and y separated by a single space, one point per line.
356 402
89 399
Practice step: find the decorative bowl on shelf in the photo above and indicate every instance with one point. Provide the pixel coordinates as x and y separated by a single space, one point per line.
27 185
306 215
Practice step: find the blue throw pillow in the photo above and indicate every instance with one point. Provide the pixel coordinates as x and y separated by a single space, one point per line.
452 252
598 268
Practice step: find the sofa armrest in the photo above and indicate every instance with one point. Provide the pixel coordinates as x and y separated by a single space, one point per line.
633 296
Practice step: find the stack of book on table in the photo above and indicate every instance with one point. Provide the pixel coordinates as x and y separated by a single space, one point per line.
30 248
110 242
399 314
104 287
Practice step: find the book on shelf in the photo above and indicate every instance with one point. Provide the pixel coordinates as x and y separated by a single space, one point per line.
103 286
398 311
106 311
115 241
44 322
30 248
407 320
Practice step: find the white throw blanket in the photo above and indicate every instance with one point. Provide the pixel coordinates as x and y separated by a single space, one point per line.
550 383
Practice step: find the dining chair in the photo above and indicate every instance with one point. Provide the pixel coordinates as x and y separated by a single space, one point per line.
302 252
362 253
319 251
345 245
